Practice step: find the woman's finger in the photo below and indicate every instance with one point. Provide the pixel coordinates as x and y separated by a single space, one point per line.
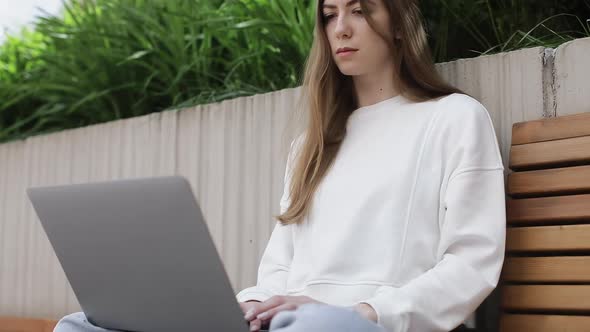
255 324
245 306
264 306
269 314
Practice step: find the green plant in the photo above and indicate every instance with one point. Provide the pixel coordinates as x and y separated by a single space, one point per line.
112 59
460 28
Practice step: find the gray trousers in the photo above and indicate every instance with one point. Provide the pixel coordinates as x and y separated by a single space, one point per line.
307 318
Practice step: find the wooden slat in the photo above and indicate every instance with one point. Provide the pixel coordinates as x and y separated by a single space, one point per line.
570 151
544 323
546 298
547 269
548 210
573 238
11 324
551 129
568 180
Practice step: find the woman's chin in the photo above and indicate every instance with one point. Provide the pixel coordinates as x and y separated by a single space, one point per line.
346 70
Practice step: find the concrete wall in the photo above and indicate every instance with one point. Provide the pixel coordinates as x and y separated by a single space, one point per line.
233 153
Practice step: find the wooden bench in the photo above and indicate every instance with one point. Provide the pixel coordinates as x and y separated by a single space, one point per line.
10 324
545 282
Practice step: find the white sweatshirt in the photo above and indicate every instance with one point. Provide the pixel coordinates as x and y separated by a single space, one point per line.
410 219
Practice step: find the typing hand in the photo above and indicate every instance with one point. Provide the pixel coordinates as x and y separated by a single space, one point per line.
261 313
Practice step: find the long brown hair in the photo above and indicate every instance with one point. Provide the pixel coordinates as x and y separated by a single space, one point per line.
329 96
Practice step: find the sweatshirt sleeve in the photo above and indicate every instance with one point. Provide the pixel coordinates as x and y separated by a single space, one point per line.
470 250
278 254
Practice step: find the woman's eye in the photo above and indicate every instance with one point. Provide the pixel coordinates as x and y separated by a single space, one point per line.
328 17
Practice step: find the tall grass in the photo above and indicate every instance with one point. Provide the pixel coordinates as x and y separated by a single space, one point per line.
112 59
461 28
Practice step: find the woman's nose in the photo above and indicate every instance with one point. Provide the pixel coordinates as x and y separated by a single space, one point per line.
342 28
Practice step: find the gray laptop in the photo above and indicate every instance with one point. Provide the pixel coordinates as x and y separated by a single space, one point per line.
139 255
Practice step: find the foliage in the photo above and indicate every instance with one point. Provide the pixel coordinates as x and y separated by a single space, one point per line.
110 59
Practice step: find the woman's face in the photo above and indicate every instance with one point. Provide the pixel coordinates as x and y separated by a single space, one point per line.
345 26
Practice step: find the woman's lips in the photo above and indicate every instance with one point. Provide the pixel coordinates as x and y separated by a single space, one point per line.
345 53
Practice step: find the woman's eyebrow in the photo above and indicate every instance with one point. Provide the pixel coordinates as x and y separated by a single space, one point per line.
348 4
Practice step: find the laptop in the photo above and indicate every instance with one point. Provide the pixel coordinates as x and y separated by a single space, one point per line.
138 255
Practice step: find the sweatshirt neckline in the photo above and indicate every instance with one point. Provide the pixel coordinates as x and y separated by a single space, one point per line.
368 108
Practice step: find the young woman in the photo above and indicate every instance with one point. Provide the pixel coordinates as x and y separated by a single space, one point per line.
393 212
394 194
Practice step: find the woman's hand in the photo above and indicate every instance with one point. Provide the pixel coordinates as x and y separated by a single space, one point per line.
366 311
250 305
259 313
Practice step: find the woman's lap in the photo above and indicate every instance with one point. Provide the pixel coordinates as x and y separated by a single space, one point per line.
319 317
77 322
308 317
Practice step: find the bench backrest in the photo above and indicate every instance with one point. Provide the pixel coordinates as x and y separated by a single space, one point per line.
545 283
